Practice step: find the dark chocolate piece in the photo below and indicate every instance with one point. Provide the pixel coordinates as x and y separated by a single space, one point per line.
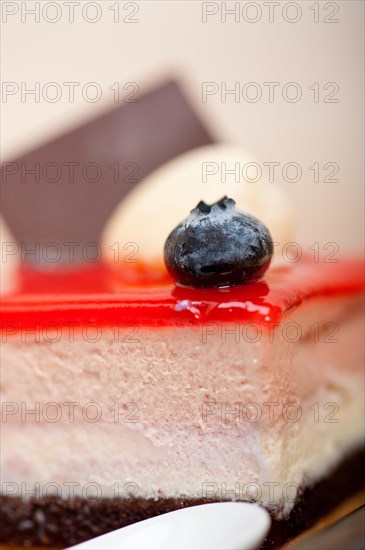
60 523
64 191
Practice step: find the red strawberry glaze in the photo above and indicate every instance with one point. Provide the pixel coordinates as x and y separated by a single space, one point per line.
95 295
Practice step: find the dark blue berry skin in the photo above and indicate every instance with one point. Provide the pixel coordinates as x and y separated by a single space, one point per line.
218 246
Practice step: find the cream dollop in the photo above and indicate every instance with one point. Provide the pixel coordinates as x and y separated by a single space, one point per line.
158 204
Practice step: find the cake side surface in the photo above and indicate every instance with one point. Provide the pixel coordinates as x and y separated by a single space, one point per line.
210 407
213 408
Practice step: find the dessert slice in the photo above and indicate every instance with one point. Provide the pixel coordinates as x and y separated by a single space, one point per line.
119 405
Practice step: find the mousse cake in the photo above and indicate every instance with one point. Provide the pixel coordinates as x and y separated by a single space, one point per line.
119 404
129 389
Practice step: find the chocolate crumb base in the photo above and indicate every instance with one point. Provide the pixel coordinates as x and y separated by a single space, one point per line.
318 501
58 522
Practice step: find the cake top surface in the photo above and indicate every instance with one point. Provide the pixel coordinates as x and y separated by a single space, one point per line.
101 295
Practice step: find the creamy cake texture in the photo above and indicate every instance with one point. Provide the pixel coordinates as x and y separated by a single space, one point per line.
250 393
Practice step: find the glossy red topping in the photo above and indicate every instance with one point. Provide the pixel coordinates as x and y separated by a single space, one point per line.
94 295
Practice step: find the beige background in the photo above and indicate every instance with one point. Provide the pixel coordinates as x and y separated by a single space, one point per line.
171 39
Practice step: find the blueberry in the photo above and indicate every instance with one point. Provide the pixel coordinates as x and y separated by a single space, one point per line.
218 245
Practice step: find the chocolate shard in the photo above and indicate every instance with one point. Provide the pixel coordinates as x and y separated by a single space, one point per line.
64 191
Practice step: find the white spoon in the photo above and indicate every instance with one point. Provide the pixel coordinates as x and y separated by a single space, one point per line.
216 526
